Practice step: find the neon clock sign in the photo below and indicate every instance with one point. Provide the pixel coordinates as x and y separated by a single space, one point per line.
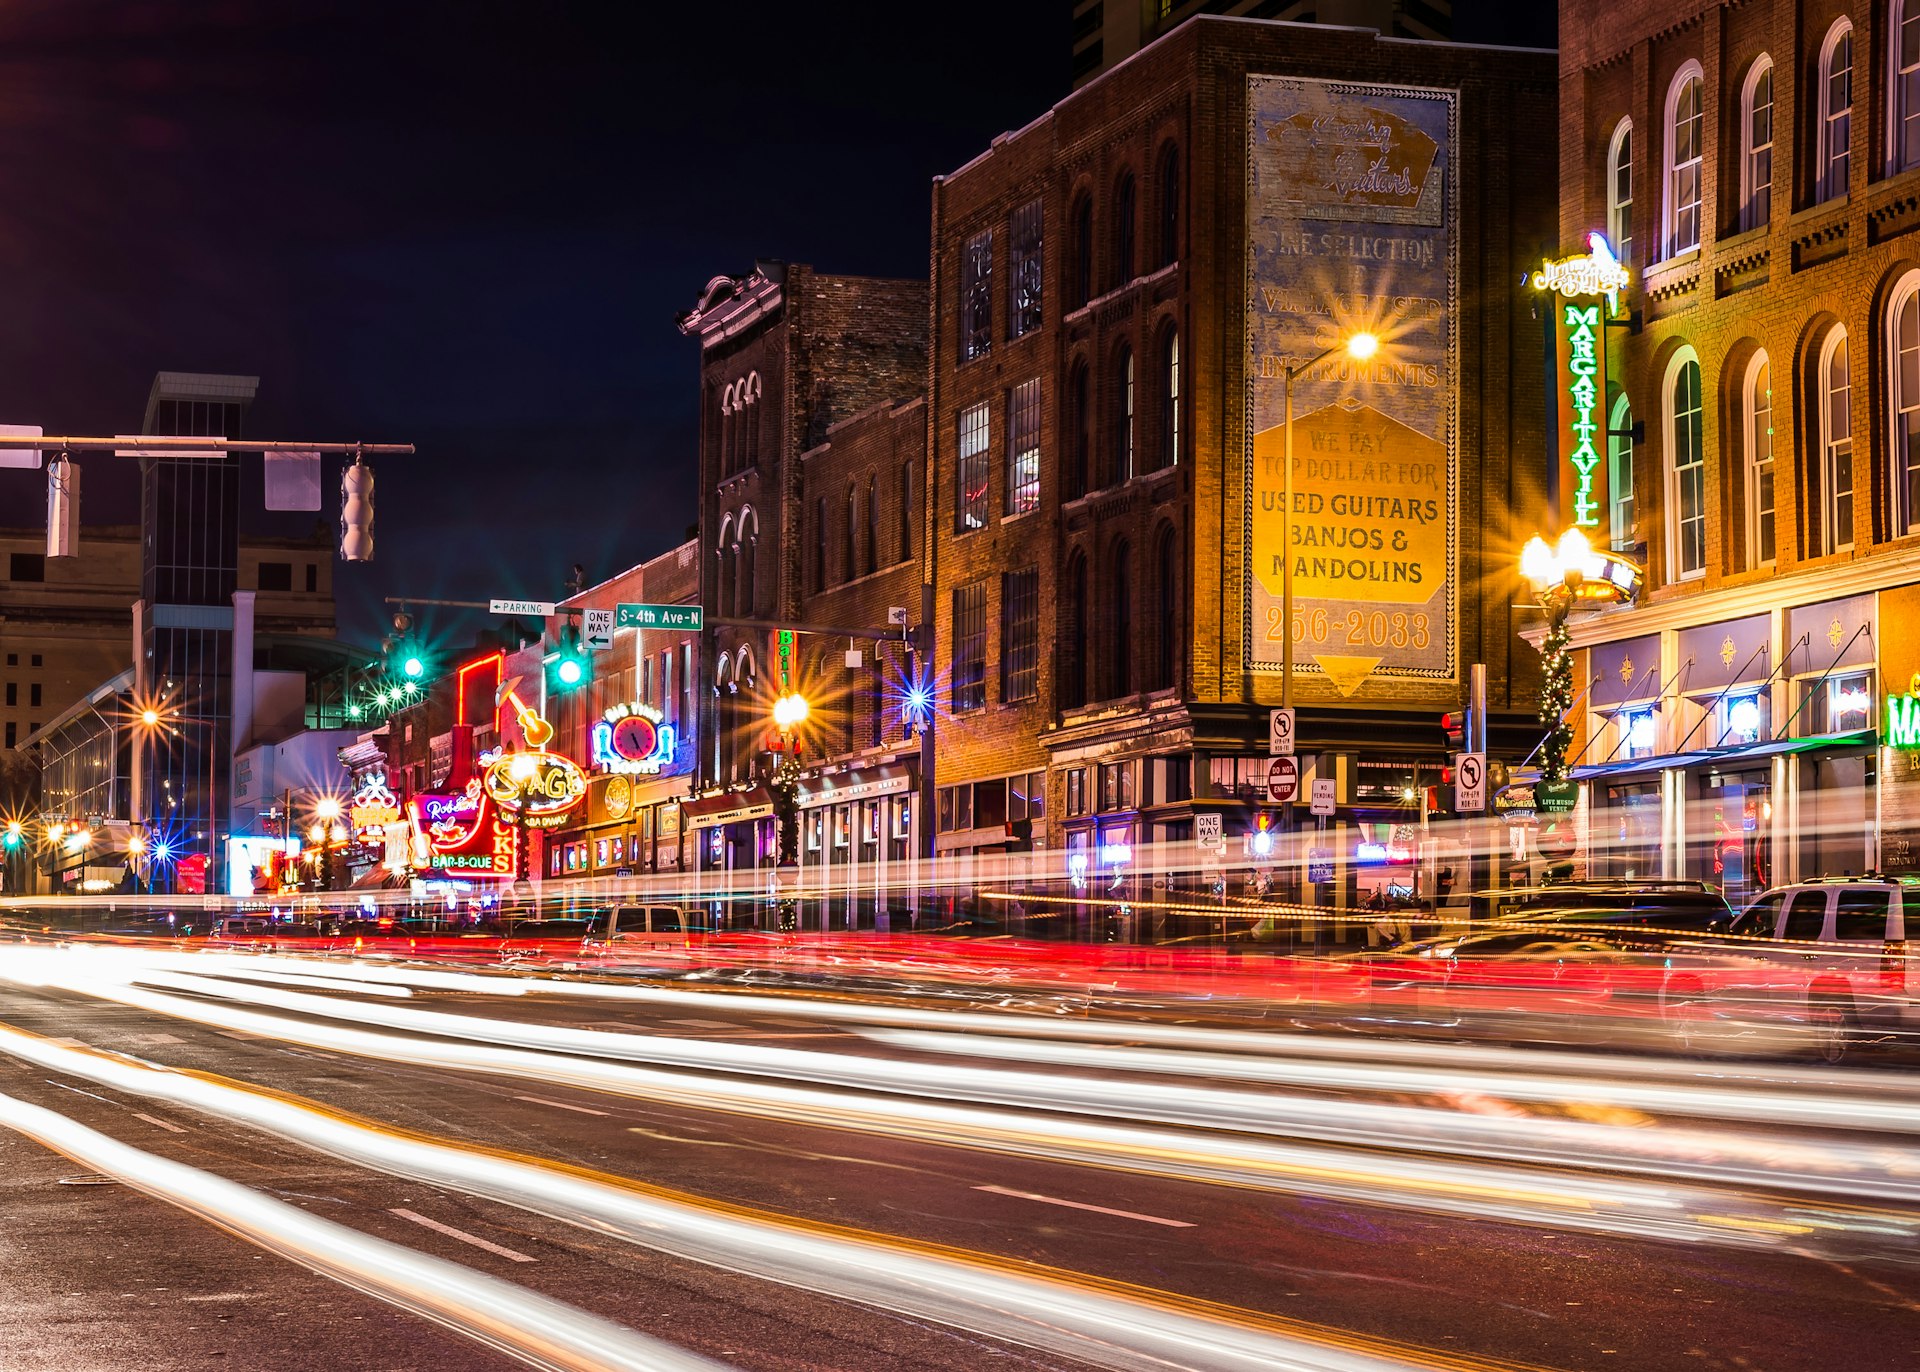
632 739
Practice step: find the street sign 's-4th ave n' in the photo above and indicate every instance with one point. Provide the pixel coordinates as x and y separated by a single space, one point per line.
660 617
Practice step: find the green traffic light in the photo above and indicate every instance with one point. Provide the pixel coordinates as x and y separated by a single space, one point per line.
569 672
414 668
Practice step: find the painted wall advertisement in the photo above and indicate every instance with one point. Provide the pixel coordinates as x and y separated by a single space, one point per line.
1352 226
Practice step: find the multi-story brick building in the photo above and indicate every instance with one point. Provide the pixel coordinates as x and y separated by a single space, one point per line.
1108 32
1759 164
811 455
1118 291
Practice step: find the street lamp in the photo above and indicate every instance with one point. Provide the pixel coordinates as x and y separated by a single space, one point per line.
1359 346
790 711
1564 575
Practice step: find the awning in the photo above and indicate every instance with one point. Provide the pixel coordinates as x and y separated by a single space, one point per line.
1738 752
376 879
860 784
727 808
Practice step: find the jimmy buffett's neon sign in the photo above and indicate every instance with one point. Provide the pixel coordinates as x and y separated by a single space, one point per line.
1583 367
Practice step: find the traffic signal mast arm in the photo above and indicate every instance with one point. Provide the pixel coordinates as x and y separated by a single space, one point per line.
903 631
160 445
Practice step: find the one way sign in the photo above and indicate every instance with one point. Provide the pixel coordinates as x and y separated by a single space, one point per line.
1470 783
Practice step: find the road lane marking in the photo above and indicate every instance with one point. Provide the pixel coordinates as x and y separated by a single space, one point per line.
562 1105
459 1234
706 1023
164 1124
1082 1205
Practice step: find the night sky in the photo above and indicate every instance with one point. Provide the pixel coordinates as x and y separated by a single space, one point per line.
469 226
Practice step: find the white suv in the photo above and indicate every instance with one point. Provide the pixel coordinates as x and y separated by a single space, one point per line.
1849 937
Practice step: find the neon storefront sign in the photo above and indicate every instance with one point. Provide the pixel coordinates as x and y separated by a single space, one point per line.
539 787
1903 722
1594 272
632 739
373 806
463 833
1583 369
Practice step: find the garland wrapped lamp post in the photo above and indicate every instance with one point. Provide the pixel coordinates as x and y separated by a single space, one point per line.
1565 576
790 711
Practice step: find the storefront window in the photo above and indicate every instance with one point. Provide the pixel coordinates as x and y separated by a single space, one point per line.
1844 704
1836 815
600 852
989 804
1625 831
816 826
1076 791
1639 732
1743 718
1736 810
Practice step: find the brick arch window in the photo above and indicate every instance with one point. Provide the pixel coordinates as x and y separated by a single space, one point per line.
1126 209
873 524
1166 589
1073 641
1080 252
1756 144
1167 197
746 588
1685 161
820 544
1756 459
1830 473
849 568
720 756
1622 518
726 559
1833 140
1903 85
1120 645
1120 460
1167 367
1903 397
1620 190
1684 428
1077 424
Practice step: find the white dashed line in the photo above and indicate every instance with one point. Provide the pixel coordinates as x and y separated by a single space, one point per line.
560 1105
459 1234
164 1124
1082 1205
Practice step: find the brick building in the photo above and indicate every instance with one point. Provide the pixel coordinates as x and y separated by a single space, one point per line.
811 455
1760 165
1108 32
1104 416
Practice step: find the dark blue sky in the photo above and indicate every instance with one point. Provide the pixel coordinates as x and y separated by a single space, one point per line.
469 226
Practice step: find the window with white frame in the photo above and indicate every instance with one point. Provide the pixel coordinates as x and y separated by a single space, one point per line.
1835 135
970 472
1685 162
1843 704
1620 190
1686 469
1639 731
1757 410
1743 718
1756 145
1835 423
1621 513
1903 393
1903 100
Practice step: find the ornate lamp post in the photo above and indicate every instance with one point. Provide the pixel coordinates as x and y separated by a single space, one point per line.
790 711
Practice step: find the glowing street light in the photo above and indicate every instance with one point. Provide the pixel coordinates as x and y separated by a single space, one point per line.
1564 574
327 809
790 711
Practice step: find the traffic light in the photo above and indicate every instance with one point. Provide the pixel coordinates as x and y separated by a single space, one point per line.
571 667
1454 725
15 835
356 513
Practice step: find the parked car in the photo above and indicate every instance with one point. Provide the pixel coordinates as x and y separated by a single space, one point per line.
623 928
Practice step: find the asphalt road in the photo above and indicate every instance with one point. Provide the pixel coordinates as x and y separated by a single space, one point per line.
103 1276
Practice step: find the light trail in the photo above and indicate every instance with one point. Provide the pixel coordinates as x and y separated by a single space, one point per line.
520 1323
1892 1172
1107 1324
1625 1208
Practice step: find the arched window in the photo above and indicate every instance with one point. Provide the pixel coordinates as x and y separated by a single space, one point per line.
1686 469
1835 134
1756 411
849 568
1120 646
1080 283
1620 190
1169 199
873 524
1166 579
1169 453
1686 152
720 751
745 593
1903 100
1125 210
1121 466
906 511
1833 425
820 544
1756 145
1073 661
1903 392
1622 513
1079 417
726 561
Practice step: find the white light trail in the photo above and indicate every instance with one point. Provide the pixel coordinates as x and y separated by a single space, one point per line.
523 1324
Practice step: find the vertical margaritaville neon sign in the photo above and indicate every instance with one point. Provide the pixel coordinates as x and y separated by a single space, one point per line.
1903 718
1581 363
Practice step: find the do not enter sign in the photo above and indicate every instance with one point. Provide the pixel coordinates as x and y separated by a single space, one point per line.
1283 779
